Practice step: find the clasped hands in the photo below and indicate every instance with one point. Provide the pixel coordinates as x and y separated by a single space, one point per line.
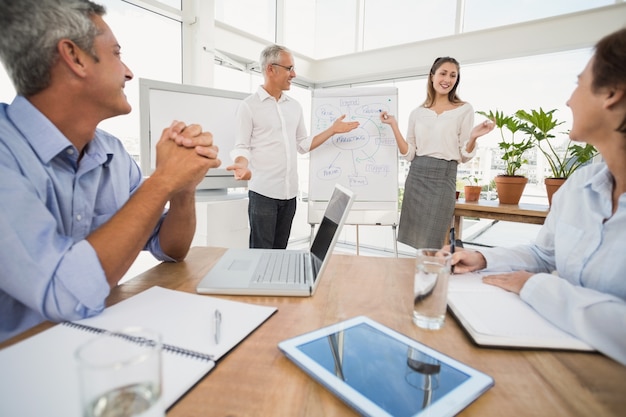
184 154
192 136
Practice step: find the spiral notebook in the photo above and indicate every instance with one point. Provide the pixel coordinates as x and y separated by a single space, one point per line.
39 376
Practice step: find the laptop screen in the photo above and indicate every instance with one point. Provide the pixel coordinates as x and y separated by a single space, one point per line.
333 216
322 242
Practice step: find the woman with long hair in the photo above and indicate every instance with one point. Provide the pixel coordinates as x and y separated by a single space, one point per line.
439 137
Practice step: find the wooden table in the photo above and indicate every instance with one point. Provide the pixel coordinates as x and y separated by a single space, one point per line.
256 379
483 209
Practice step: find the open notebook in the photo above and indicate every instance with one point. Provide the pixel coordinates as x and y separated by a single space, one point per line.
495 317
39 376
280 271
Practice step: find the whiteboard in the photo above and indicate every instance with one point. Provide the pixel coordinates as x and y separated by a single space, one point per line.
160 103
365 160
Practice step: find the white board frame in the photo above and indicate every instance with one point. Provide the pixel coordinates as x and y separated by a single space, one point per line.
161 102
363 212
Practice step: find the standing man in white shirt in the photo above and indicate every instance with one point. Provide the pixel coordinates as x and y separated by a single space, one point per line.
270 130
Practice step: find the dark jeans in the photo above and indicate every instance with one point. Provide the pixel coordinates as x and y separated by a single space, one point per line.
270 221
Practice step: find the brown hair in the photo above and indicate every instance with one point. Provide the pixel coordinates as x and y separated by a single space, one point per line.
609 65
430 90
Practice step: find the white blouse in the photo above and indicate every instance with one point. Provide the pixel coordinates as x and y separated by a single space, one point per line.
442 136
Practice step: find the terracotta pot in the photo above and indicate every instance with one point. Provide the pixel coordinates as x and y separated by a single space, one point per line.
510 189
553 184
472 193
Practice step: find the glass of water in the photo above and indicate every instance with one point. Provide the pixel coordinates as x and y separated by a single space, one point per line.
120 374
430 288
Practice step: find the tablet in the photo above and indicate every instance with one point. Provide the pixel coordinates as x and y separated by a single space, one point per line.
380 372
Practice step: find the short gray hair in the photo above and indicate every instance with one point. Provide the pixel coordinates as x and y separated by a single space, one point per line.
271 55
30 31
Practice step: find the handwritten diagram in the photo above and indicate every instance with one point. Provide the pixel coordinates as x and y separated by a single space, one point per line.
365 159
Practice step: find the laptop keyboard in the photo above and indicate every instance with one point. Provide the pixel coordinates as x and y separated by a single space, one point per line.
281 268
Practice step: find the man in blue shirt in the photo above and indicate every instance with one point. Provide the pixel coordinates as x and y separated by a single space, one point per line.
74 209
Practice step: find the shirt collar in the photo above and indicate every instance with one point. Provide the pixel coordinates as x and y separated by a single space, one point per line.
601 181
44 137
264 95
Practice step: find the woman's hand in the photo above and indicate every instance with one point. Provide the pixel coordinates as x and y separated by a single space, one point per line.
466 260
510 281
482 129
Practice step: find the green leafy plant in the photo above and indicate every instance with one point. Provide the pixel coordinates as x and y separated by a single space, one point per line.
513 150
472 179
540 124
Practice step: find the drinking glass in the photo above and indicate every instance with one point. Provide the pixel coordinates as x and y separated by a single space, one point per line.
430 287
120 374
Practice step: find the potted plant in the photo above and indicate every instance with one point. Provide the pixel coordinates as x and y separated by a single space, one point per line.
562 161
510 185
472 189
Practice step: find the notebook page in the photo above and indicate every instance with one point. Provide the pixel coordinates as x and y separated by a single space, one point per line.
40 376
498 317
184 319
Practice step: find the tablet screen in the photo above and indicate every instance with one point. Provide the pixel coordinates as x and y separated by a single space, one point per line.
401 377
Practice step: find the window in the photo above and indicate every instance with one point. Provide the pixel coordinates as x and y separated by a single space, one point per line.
154 51
151 48
257 17
172 3
482 14
7 92
321 29
384 25
300 26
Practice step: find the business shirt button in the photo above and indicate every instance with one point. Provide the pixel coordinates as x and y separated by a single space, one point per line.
79 217
70 151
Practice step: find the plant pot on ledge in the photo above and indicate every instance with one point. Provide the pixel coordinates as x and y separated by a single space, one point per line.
472 193
552 185
510 188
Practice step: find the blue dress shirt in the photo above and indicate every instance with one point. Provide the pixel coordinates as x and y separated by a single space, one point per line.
582 241
49 203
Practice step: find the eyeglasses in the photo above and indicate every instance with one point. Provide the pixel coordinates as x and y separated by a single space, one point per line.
289 68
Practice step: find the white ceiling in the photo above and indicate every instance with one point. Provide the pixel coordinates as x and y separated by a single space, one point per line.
562 33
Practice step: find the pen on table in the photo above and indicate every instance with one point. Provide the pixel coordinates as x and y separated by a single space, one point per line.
218 326
452 245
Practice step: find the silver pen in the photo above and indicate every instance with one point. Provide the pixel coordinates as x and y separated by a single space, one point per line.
218 326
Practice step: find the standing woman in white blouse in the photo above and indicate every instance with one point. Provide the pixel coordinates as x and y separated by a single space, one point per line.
439 137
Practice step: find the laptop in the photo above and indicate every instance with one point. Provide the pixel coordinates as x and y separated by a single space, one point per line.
281 272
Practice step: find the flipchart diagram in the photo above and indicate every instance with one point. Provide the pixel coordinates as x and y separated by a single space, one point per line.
364 159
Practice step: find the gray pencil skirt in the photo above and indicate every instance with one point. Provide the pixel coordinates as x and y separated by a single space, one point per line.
428 202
